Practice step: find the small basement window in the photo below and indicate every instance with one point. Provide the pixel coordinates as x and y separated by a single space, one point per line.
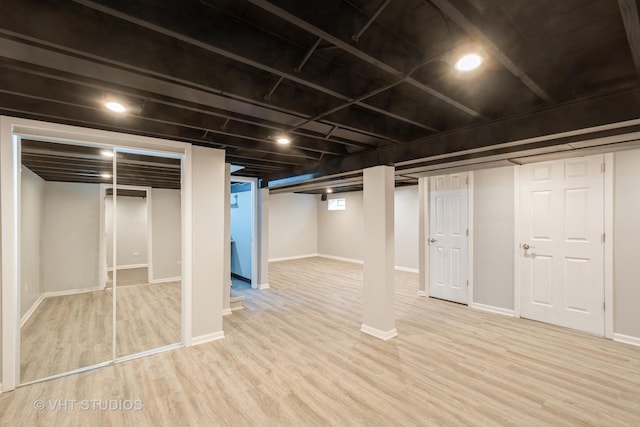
337 204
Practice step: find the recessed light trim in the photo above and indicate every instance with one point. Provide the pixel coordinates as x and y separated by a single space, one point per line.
283 140
329 191
469 62
115 106
107 153
105 175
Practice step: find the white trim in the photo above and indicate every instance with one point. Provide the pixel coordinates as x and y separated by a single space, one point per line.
470 238
32 310
407 269
383 335
517 279
289 258
492 309
166 280
422 293
609 189
627 339
339 258
254 224
71 292
264 286
186 176
226 311
128 267
207 338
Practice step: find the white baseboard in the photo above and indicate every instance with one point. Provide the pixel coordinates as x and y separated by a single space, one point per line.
492 309
166 280
226 311
129 267
31 310
339 258
264 286
407 269
71 292
207 338
422 293
627 339
383 335
289 258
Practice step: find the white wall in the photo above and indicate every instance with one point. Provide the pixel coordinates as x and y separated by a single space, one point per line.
493 225
293 225
32 198
626 236
241 227
132 226
166 235
406 227
208 244
340 233
70 232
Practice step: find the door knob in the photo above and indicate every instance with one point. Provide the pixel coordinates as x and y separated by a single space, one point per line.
526 247
432 240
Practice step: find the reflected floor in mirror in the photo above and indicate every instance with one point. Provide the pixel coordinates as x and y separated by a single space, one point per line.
129 276
74 331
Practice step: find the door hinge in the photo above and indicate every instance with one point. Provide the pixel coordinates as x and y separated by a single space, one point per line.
604 306
467 232
467 283
603 167
604 237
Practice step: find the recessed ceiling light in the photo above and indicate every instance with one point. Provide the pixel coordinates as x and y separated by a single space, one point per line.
105 175
107 153
469 62
115 106
283 140
329 191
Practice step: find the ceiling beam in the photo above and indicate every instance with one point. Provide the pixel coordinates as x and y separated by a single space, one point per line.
239 58
629 12
383 5
363 56
115 73
474 31
583 120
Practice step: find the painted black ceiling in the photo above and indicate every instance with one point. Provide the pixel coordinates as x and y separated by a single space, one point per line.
355 83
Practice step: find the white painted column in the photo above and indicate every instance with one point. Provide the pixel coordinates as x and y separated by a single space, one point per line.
378 253
208 243
423 235
263 238
226 289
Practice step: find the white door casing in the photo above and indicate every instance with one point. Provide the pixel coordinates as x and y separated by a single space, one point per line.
448 237
562 242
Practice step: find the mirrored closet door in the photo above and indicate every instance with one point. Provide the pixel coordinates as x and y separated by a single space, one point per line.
66 312
100 256
148 253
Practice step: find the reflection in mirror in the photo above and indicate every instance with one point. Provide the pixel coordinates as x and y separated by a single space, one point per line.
66 314
148 252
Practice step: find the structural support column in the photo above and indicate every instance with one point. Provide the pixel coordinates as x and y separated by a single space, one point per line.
423 235
263 238
379 252
226 288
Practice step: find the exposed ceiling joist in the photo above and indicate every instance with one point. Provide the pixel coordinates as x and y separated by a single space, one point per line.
293 19
447 7
233 56
629 12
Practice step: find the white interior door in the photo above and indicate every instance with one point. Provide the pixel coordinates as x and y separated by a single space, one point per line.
562 248
448 230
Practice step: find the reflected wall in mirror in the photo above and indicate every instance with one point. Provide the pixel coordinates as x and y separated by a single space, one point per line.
66 314
148 248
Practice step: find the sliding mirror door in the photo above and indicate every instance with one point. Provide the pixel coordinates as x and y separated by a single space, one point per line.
147 268
66 312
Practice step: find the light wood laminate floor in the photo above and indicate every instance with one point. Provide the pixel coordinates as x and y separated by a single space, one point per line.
295 357
74 331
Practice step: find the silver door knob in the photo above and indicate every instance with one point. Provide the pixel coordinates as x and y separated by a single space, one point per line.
526 247
432 240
